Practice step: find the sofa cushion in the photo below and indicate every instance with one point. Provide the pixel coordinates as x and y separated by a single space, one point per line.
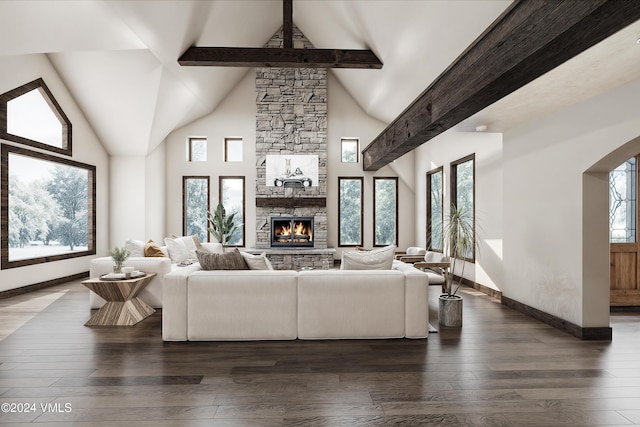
181 248
257 262
151 249
376 259
231 260
135 247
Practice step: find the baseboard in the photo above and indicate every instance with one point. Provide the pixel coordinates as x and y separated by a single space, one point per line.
478 287
587 334
36 286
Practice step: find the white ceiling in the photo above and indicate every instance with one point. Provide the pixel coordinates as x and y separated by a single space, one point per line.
119 58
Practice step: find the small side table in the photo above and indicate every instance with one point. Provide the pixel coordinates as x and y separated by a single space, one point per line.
442 266
123 307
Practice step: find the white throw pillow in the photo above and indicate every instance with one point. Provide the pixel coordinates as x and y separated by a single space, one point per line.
178 250
135 247
257 262
377 259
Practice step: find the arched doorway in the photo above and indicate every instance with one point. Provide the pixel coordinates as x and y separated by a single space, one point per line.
595 234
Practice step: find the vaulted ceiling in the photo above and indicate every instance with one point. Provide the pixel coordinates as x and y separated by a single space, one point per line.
119 58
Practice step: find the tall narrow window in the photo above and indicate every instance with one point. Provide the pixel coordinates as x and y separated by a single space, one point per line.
233 149
197 149
232 198
31 115
623 202
434 210
463 192
385 211
350 211
195 204
51 208
350 150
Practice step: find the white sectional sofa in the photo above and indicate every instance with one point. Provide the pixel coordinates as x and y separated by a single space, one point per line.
152 293
283 304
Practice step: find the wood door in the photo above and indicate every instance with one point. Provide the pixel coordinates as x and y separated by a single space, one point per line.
624 253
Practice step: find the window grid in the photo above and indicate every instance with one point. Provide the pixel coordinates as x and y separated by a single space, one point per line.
234 202
350 150
385 211
463 191
435 211
350 209
233 149
195 206
197 149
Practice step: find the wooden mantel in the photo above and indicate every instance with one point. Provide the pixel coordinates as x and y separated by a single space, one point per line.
290 202
529 39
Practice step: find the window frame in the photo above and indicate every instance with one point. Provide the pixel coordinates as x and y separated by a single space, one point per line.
5 263
361 180
226 151
41 86
244 205
349 139
454 195
429 208
184 201
190 141
376 179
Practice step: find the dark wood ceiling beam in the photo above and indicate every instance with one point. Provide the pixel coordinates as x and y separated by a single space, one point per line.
526 41
276 57
287 23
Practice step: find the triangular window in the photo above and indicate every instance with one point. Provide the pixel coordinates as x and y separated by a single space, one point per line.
30 115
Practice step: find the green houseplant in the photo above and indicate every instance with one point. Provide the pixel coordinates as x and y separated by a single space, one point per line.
221 225
459 240
119 256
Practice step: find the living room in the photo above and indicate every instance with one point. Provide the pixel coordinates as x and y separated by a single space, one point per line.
541 158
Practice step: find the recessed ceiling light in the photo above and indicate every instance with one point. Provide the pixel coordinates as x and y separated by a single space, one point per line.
481 128
638 41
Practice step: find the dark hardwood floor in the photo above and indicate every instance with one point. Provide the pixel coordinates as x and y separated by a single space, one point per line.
500 369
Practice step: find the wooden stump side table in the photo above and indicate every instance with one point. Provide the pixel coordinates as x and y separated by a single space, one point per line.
123 307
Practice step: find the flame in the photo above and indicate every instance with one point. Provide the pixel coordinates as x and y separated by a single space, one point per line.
285 229
300 228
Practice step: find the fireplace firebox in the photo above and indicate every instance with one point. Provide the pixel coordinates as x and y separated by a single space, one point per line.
292 231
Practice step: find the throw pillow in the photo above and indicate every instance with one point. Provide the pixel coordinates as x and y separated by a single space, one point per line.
376 259
135 247
231 260
178 250
151 249
257 262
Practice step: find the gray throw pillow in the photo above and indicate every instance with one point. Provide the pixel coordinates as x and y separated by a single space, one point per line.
231 260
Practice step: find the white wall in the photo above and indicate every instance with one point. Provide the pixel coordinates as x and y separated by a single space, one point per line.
441 151
234 117
347 119
14 72
548 262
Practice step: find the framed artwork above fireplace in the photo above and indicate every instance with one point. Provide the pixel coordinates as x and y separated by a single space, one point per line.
289 170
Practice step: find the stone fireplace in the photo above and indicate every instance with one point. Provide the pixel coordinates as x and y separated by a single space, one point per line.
291 127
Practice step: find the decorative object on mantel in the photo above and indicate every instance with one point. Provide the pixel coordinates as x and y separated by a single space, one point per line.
221 225
458 236
287 56
119 256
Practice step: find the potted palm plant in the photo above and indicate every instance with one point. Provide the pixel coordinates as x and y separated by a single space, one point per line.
459 242
221 225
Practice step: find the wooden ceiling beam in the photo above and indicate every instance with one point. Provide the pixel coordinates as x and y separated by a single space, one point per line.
529 39
277 57
287 24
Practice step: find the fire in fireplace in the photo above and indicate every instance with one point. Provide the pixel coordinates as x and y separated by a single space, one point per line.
292 231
